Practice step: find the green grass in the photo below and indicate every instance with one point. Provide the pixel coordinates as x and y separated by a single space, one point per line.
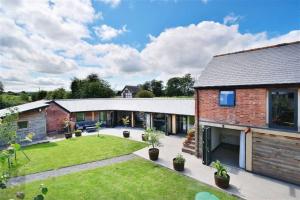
74 151
134 179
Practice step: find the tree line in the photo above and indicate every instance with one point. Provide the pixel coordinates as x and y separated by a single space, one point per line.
95 87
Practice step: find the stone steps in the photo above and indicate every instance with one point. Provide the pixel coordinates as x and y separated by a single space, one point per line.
189 147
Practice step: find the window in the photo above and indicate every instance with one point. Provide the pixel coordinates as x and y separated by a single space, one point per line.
80 117
22 124
102 116
227 98
283 108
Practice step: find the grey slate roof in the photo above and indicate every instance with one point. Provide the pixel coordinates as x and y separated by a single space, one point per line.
182 106
133 89
279 64
26 107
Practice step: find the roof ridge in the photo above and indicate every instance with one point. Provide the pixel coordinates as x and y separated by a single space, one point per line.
258 48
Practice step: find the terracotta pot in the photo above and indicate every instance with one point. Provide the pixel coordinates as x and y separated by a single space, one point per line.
68 135
126 134
221 181
178 166
153 154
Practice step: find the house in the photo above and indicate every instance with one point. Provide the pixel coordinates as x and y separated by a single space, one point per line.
169 115
247 111
129 91
31 119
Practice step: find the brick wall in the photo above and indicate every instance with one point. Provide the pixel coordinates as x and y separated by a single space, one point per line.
55 117
250 108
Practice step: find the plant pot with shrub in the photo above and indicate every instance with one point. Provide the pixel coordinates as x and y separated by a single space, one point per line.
178 162
126 133
222 178
68 135
78 133
153 141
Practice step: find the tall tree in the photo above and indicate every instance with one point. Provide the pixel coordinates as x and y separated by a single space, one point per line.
59 93
187 85
174 87
157 88
1 87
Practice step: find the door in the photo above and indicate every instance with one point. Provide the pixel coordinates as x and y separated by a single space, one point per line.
206 146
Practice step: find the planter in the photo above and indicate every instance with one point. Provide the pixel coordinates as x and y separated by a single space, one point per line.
153 154
221 181
144 137
68 135
178 166
77 134
126 134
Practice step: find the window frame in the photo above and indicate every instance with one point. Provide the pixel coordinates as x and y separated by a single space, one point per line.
27 125
271 125
83 116
234 100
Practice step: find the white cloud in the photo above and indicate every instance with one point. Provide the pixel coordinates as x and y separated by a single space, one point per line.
43 46
107 33
112 3
204 1
231 19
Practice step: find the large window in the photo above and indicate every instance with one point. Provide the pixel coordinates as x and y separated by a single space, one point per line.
22 124
283 108
103 117
227 98
80 117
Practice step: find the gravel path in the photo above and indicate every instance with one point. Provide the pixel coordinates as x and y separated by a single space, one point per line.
67 170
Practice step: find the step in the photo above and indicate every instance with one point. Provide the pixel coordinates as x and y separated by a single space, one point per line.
189 146
189 151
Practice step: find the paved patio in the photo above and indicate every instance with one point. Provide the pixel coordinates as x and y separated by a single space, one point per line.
244 184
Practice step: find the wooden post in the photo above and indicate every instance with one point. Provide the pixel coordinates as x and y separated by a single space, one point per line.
132 119
93 116
249 151
174 131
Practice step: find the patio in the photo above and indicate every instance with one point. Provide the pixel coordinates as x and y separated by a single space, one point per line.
244 184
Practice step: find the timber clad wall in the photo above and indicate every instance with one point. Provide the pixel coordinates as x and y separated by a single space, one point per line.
36 124
55 118
250 108
277 156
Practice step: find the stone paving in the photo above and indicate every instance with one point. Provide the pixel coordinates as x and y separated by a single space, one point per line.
68 170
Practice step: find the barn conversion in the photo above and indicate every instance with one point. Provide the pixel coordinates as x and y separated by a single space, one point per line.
247 111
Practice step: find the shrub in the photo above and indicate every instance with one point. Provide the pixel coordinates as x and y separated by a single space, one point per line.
221 170
125 121
179 159
144 94
153 137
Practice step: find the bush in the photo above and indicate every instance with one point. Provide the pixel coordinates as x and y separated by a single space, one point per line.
179 159
221 170
144 94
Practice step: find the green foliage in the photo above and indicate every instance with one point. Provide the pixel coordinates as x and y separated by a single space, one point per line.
221 170
125 120
153 137
43 190
9 100
179 159
3 180
180 86
1 87
41 94
8 127
91 87
98 126
59 93
154 86
144 94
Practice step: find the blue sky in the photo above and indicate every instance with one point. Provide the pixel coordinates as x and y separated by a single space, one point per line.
46 43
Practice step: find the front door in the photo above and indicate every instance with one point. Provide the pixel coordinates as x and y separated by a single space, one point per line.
206 146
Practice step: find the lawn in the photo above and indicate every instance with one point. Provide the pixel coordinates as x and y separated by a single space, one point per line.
74 151
134 179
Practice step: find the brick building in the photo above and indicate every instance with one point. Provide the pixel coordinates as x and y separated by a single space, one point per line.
247 109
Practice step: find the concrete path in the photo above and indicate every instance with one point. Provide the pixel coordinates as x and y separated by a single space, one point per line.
68 170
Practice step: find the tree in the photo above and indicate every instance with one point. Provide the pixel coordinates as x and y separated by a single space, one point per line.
1 87
187 85
145 94
91 87
174 87
41 94
157 88
59 93
24 96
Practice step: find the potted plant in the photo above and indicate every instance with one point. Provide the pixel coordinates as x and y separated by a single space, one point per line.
221 176
153 141
67 125
78 133
178 162
126 121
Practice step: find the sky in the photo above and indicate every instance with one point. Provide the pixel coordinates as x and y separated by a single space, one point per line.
46 43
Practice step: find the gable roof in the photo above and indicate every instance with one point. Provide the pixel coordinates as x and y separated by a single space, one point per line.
133 89
25 107
181 106
278 64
